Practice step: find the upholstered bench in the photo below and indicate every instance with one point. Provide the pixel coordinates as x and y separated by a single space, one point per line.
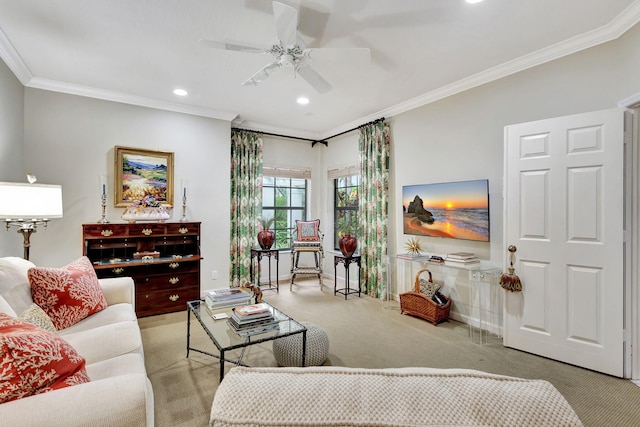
338 396
288 350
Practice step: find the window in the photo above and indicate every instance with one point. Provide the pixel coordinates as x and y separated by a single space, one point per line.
345 202
285 199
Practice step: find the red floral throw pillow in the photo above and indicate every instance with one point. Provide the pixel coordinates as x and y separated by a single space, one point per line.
34 361
67 294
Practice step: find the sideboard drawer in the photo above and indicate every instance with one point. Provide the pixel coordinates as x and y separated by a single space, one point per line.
165 301
167 282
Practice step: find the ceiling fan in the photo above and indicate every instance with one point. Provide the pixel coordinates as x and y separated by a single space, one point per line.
290 52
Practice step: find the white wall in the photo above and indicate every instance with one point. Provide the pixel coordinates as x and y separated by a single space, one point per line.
11 136
69 140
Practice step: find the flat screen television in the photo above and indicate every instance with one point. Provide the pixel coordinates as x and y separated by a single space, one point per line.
456 210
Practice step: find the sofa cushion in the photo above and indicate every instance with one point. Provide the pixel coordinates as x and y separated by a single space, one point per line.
14 285
126 364
106 342
67 294
36 316
34 361
110 315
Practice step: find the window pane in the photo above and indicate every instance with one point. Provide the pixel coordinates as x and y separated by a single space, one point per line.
282 197
267 196
298 197
299 183
296 215
352 199
283 182
268 214
268 180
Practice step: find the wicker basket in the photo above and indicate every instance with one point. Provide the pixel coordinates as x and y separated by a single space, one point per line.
418 304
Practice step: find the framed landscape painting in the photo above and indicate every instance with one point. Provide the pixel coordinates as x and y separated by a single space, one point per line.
141 174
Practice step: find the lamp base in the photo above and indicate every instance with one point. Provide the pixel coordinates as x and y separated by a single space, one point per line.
26 237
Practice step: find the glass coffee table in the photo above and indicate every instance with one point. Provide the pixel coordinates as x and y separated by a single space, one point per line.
225 338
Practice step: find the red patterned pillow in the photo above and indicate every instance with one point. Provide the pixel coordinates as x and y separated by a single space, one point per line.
67 294
34 361
308 230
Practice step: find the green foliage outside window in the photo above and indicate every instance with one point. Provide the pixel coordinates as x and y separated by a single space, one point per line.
284 199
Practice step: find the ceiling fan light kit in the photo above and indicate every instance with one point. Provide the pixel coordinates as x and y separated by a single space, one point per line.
290 51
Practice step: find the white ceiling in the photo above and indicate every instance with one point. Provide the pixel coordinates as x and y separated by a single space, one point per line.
138 51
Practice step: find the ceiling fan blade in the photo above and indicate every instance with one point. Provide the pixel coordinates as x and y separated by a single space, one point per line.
226 45
262 74
312 77
357 54
286 23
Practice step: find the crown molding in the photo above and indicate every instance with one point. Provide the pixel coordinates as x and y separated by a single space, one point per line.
611 31
14 60
262 127
107 95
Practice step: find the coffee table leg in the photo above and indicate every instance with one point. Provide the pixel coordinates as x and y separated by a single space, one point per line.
188 330
221 365
304 348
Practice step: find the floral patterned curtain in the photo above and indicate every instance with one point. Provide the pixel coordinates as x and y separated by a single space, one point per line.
375 143
246 201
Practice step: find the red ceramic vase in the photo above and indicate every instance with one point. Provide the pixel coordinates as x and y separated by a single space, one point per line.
265 239
347 244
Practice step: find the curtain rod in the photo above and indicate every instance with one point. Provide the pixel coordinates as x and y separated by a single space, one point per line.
313 141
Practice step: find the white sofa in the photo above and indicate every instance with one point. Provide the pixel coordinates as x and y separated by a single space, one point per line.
119 392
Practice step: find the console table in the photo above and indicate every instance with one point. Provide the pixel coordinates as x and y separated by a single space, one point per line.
482 311
346 261
259 253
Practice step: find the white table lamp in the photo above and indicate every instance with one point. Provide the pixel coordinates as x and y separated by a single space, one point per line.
28 205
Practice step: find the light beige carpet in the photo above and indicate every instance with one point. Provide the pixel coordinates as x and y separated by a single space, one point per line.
364 334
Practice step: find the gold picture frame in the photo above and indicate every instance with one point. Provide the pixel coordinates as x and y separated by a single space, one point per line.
141 173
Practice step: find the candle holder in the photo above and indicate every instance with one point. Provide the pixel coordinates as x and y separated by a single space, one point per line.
103 197
184 185
103 219
184 208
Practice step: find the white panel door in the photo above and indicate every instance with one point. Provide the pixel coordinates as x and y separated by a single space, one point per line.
564 211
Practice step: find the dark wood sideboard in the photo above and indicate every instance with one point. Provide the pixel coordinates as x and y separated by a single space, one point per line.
162 258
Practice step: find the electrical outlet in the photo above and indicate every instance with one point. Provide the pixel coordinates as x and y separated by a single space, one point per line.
214 275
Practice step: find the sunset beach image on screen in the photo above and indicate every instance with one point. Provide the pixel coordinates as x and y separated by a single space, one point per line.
456 210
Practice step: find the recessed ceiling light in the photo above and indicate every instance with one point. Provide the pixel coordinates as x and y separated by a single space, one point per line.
473 1
303 100
180 92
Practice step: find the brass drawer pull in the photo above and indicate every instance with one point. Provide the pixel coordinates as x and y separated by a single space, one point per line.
174 280
183 230
106 233
118 270
147 231
174 265
147 258
174 298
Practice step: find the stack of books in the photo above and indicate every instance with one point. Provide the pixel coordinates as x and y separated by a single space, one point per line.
227 297
462 259
253 319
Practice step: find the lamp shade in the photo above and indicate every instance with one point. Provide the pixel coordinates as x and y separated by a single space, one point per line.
30 201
